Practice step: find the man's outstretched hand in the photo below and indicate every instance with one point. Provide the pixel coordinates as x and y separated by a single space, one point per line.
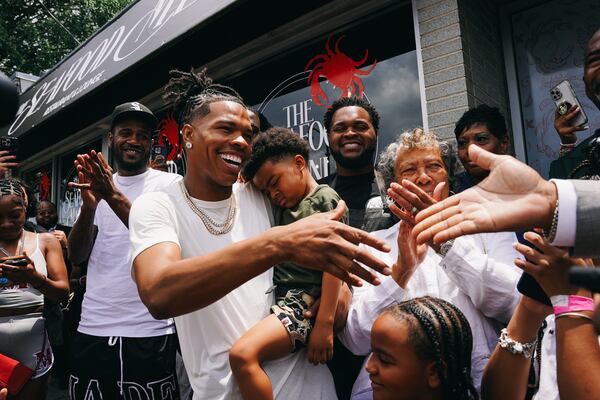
322 242
513 197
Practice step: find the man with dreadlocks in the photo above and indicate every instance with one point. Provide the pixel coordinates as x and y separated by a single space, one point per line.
119 349
421 350
203 249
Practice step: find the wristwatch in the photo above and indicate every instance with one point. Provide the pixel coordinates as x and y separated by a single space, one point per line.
445 247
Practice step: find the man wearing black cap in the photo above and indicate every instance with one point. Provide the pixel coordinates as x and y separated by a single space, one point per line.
120 350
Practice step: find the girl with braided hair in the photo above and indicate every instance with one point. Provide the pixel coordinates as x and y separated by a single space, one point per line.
35 268
421 350
203 248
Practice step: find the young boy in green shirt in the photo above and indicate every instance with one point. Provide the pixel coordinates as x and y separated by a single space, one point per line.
279 168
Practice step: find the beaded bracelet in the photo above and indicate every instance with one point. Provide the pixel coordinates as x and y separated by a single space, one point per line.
524 349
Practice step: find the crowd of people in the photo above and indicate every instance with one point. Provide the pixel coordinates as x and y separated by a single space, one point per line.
247 278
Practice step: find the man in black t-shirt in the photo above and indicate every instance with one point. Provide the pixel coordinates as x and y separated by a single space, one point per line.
352 125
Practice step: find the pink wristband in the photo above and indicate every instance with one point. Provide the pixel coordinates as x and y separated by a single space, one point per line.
563 304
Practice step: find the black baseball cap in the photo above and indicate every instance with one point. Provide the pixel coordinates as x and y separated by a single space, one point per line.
134 109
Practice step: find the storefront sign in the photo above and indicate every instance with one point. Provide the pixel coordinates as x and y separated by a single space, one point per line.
302 110
141 30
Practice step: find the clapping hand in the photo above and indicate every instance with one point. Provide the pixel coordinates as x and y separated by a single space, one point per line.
95 178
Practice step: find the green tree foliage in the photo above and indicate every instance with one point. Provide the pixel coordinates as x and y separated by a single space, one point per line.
32 41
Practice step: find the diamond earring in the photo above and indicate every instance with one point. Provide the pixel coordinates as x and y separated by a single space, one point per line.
188 145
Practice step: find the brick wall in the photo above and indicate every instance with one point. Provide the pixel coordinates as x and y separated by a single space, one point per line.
463 65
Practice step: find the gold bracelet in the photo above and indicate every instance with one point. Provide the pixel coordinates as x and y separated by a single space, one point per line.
573 314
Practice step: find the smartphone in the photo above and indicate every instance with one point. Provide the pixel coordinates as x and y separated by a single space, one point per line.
15 261
529 287
10 144
564 98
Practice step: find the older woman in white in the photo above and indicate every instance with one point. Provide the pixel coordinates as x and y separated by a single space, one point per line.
475 273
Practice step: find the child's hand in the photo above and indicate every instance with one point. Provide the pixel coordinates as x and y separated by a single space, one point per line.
320 344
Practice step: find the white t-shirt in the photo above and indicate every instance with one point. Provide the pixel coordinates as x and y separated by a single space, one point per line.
206 335
112 305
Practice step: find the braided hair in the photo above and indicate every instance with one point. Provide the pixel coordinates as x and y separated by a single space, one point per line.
440 333
193 92
14 187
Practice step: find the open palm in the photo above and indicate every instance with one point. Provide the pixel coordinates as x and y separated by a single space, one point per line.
513 197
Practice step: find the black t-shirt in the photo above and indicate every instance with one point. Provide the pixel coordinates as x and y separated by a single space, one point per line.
354 190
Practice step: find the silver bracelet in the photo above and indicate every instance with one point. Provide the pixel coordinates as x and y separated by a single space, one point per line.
573 314
518 348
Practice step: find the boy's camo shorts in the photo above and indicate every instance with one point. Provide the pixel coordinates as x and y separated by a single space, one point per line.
290 311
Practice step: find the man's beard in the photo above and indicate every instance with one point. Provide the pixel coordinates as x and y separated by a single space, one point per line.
129 166
365 158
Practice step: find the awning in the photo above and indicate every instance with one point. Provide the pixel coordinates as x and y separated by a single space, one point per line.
137 32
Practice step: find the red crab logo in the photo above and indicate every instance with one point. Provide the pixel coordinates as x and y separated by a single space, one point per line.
168 130
339 69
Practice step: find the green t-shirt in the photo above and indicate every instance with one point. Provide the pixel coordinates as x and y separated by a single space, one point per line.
290 275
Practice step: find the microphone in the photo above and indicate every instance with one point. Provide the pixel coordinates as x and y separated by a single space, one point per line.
9 98
587 278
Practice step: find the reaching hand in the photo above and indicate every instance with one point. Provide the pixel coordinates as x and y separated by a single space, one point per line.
410 255
322 242
7 161
320 344
549 266
513 197
95 178
562 124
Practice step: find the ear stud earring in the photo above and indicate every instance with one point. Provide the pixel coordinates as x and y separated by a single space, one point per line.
188 145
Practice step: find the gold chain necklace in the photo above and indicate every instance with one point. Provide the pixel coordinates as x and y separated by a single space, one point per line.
213 227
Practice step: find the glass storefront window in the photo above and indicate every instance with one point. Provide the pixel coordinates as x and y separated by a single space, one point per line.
375 58
549 43
69 199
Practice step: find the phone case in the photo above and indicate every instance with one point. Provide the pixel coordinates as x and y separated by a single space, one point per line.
564 97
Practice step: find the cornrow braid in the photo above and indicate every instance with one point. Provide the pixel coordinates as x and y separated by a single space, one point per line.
13 187
440 332
428 326
193 92
463 345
